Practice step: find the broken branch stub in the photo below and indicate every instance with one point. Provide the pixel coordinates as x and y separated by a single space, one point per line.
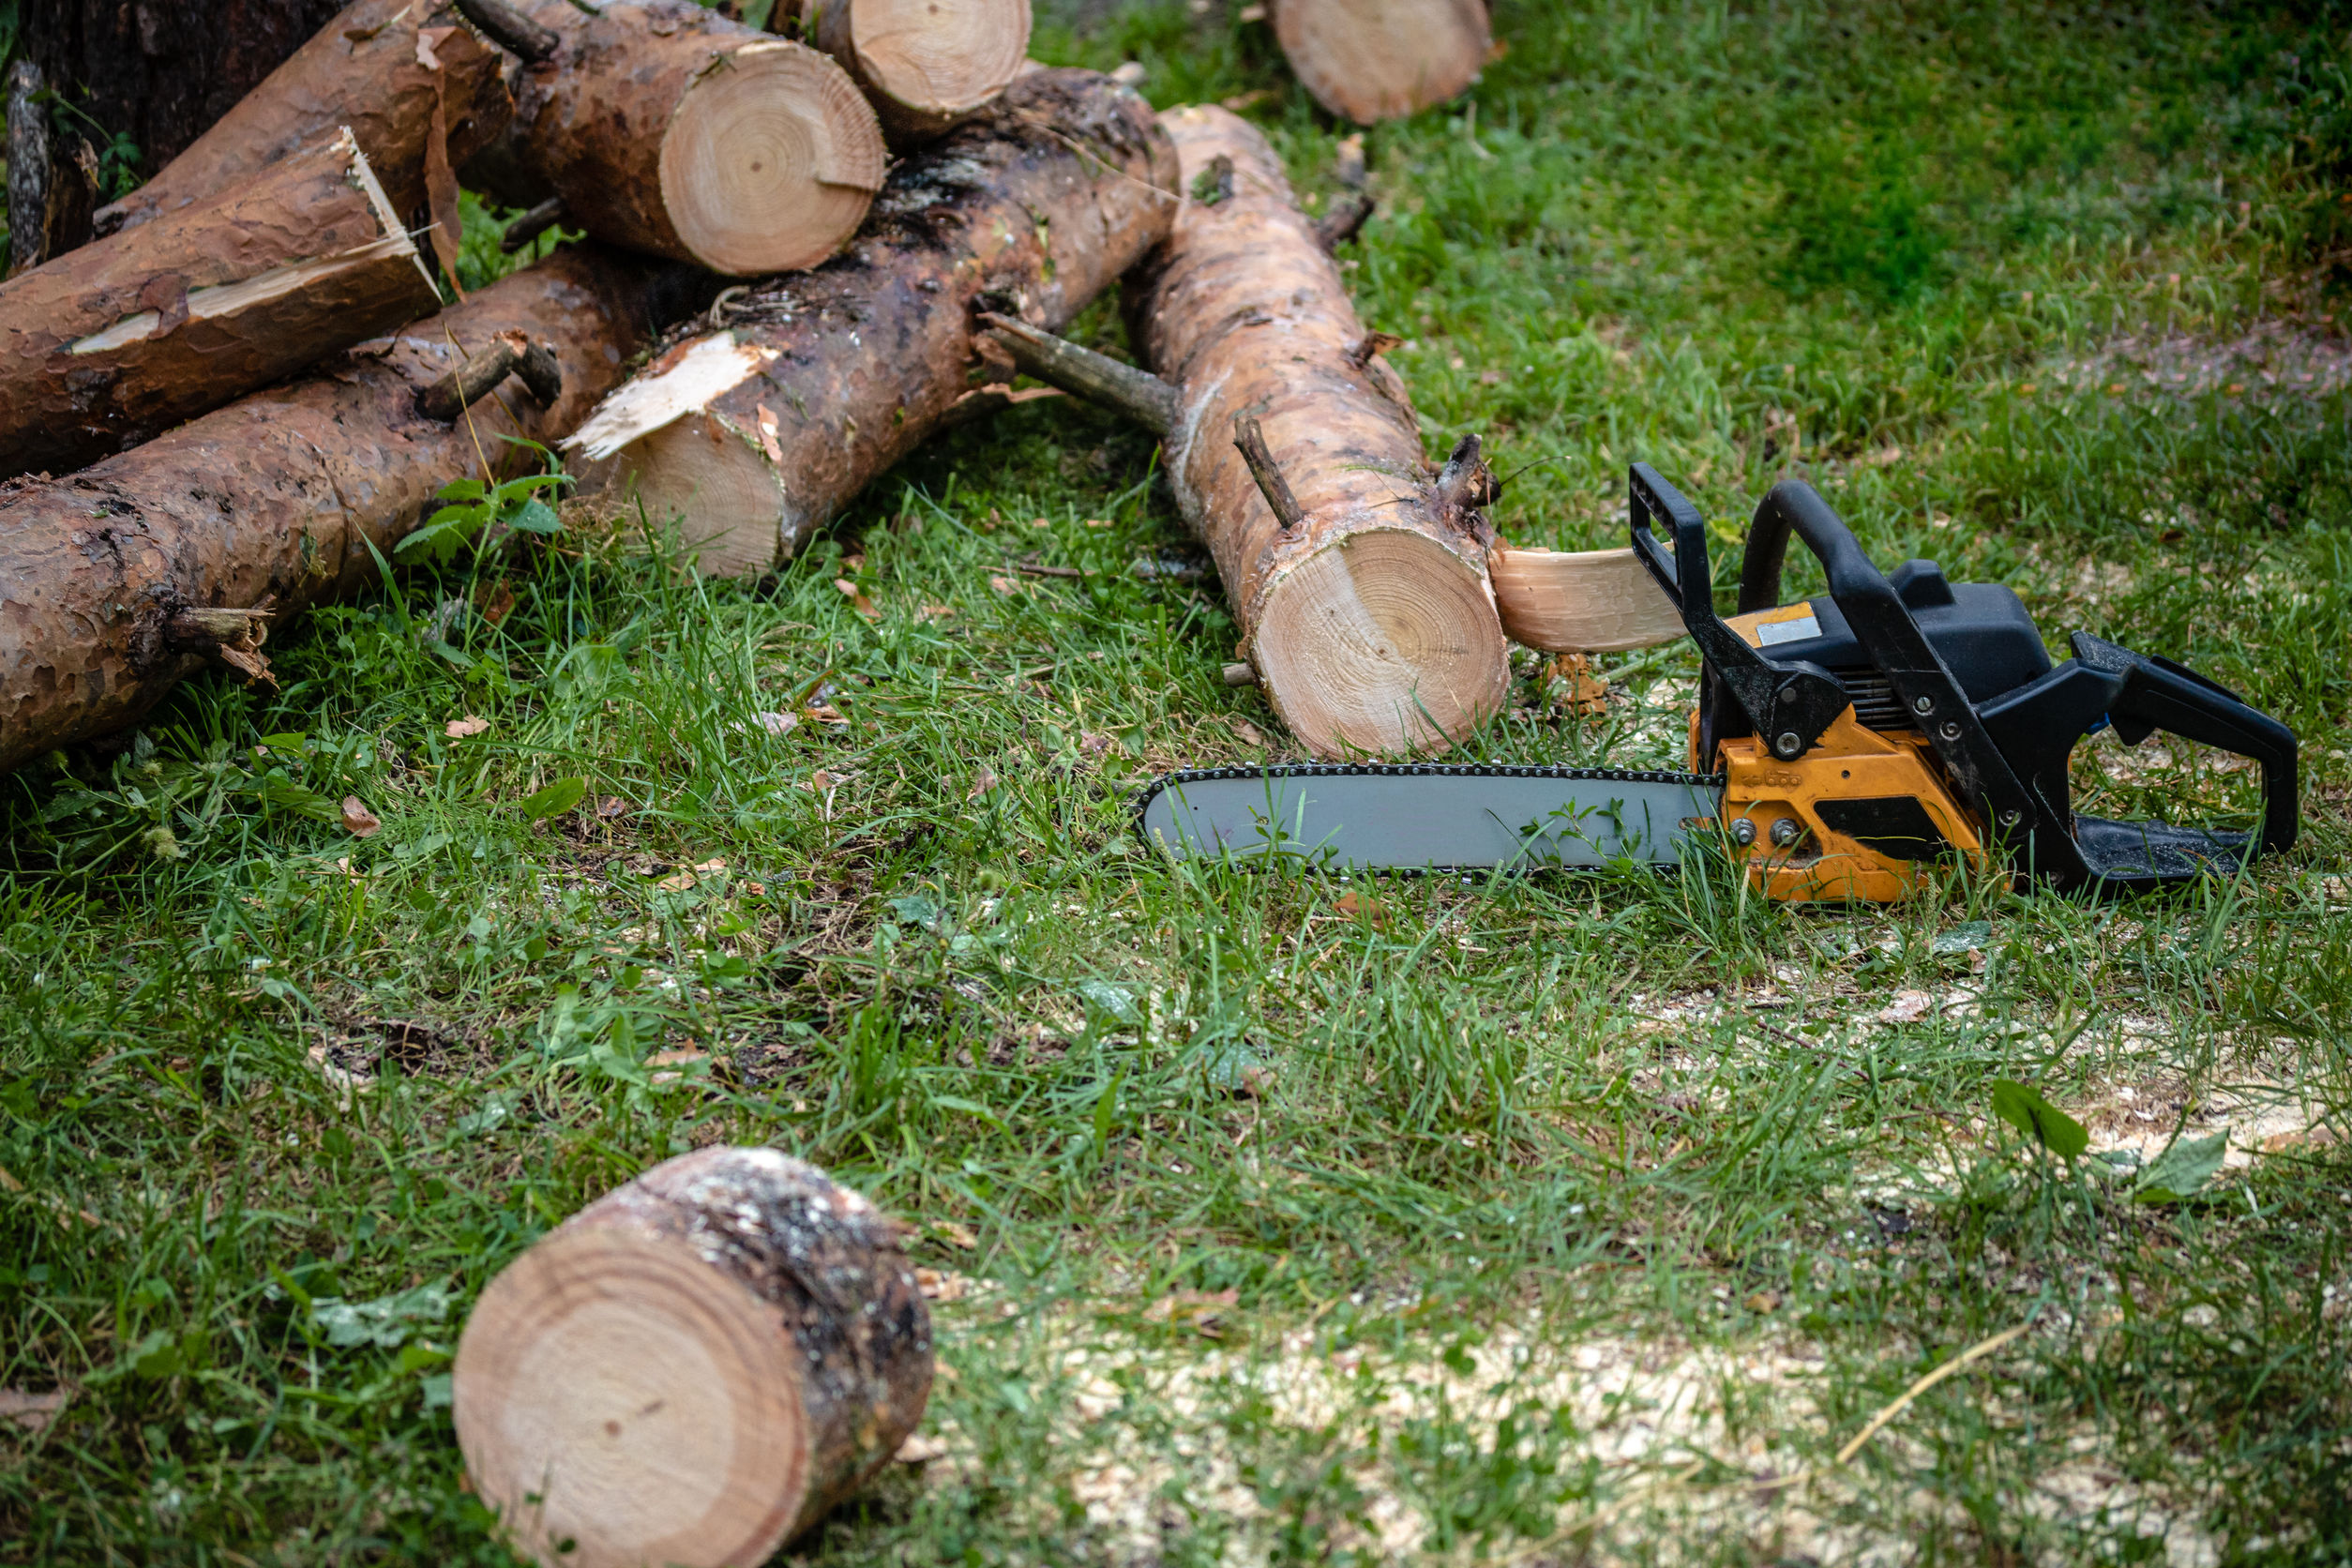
112 344
757 433
118 582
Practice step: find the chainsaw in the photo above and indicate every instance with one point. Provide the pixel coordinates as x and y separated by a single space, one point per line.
1843 748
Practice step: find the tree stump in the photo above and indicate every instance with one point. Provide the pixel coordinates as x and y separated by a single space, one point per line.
1370 60
693 1368
112 344
925 65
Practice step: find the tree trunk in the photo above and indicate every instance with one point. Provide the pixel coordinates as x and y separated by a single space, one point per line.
416 84
693 1368
1369 622
110 344
161 74
1591 601
52 175
668 129
925 65
273 501
760 432
1369 60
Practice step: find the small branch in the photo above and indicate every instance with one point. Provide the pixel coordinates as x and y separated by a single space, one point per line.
1139 395
532 224
1465 483
510 354
511 29
234 637
1251 441
1029 566
1342 220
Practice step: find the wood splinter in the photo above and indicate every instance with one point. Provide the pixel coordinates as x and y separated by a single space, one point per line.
510 353
234 637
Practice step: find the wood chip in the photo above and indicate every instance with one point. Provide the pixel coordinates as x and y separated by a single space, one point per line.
31 1412
358 821
457 728
1202 1311
1244 731
920 1450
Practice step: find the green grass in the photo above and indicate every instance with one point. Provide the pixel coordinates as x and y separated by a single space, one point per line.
1501 1177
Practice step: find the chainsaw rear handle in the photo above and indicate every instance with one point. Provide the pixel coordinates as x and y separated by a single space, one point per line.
2156 694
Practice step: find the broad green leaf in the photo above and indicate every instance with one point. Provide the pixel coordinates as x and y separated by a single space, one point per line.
463 490
2037 1119
536 516
557 798
383 1322
2182 1171
1115 999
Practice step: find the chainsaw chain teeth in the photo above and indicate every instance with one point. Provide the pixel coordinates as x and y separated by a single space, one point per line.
1412 770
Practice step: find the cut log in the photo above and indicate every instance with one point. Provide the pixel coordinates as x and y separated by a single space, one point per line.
668 128
1371 60
112 344
693 1368
277 498
925 65
757 433
416 84
1368 621
1592 601
52 179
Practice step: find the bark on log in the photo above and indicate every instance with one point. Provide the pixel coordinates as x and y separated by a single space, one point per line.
693 1368
668 128
113 343
1370 60
275 498
925 65
1592 601
1370 623
417 85
758 433
53 178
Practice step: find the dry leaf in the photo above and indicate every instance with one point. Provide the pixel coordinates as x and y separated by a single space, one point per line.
1095 743
497 603
955 1233
935 613
821 781
358 821
670 1066
858 601
1906 1007
1763 1301
676 883
1201 1311
776 723
982 782
1005 585
1574 686
1098 522
30 1411
612 807
1352 904
942 1284
1244 731
1257 1082
826 713
457 728
1039 522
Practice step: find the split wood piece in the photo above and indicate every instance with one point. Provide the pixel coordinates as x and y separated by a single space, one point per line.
112 344
668 128
694 1369
1369 622
52 179
1370 60
281 493
416 84
756 434
925 65
1592 601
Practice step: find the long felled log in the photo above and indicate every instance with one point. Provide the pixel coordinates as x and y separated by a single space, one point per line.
757 433
1370 60
925 65
416 84
273 501
668 129
110 344
693 1368
1368 618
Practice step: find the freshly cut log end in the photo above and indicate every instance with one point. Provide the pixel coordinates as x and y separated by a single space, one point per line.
112 344
1387 644
668 128
1371 60
925 63
693 1368
1589 601
756 435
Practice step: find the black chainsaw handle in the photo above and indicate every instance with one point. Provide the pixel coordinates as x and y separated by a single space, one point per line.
2154 693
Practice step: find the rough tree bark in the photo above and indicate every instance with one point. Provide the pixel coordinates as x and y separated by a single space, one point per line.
693 1368
757 433
114 581
1368 60
52 175
419 86
109 345
925 65
668 128
1369 621
161 74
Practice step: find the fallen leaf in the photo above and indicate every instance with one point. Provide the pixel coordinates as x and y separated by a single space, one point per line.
610 807
942 1284
1763 1301
1039 522
920 1450
1256 1083
982 782
821 781
1094 742
853 563
714 864
359 821
1574 686
1005 585
670 1066
858 601
1202 1311
826 713
776 723
498 603
955 1233
1906 1007
677 883
935 613
1354 904
1244 731
30 1411
457 728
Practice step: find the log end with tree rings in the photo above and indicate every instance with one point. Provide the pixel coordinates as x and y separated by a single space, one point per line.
1371 60
925 63
1386 644
693 1368
770 161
